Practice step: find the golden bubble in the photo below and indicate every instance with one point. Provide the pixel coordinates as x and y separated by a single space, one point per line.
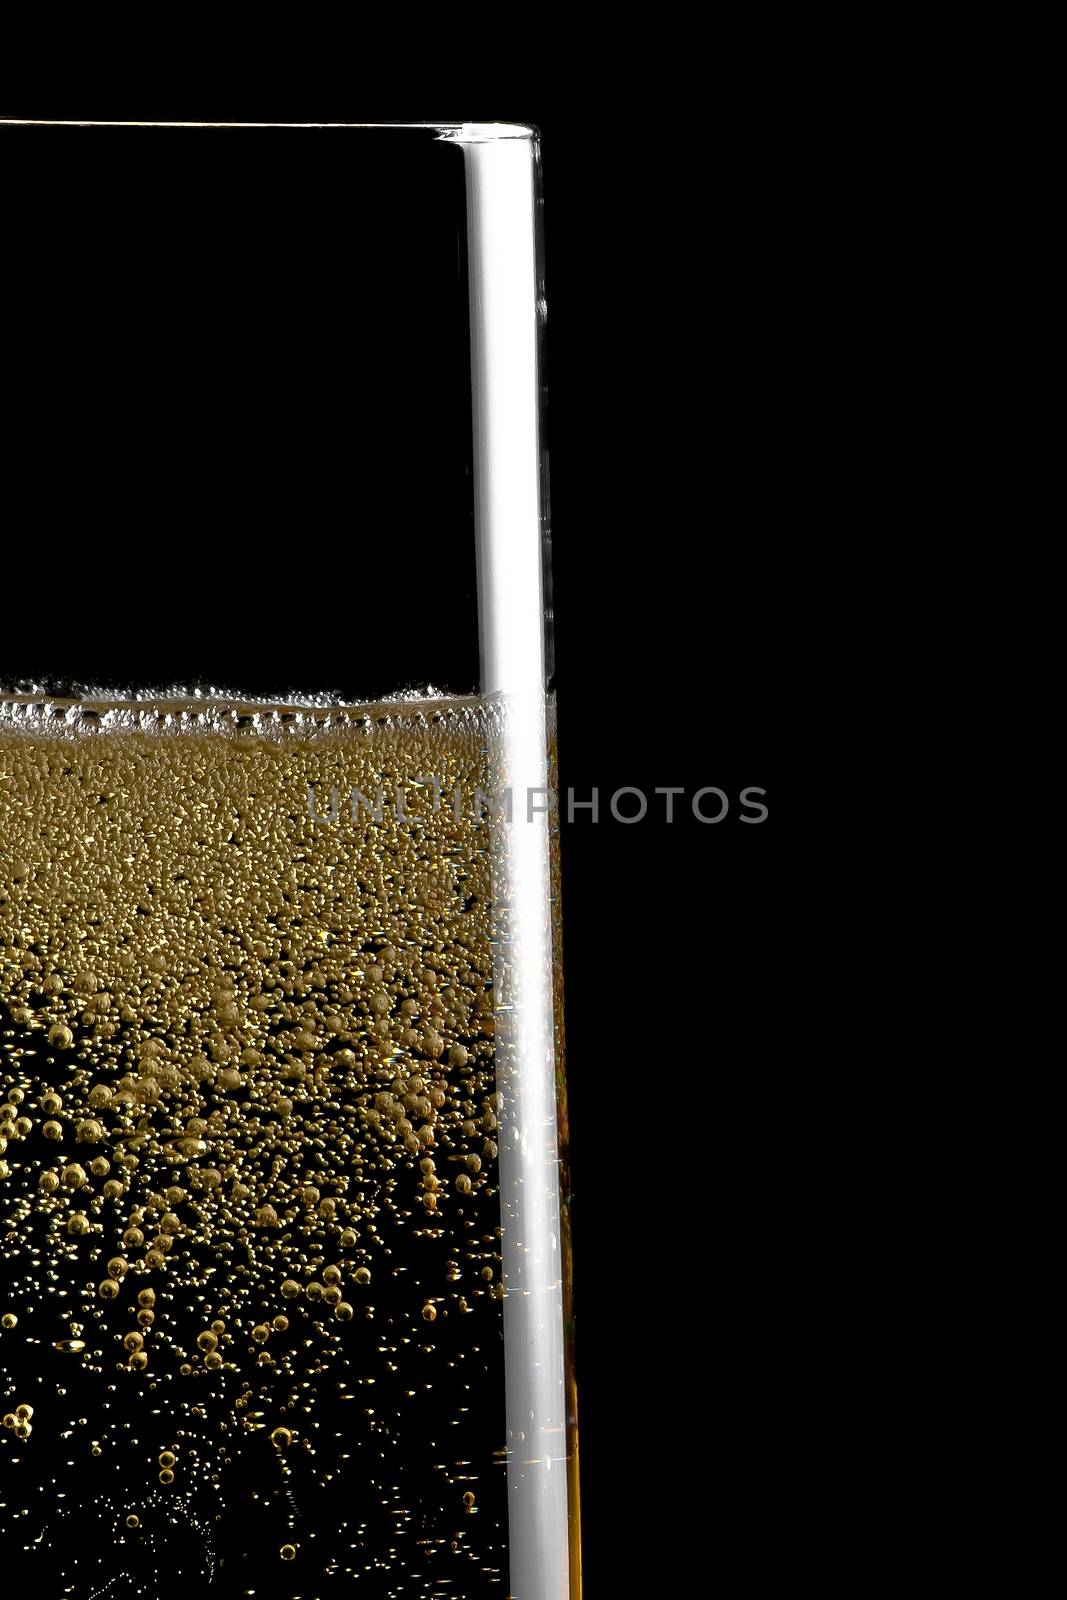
147 1298
132 1342
282 1438
206 1340
288 1552
166 1477
290 1289
362 1276
133 1521
9 1320
167 1458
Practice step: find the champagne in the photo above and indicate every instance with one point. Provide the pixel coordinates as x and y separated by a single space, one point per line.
251 1281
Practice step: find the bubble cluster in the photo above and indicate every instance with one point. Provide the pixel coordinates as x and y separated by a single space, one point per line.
249 1203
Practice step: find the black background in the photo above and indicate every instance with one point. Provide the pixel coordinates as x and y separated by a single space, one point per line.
682 459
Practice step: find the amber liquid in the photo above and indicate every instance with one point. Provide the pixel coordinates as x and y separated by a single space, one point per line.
251 1268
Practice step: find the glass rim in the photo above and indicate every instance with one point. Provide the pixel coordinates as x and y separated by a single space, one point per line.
458 132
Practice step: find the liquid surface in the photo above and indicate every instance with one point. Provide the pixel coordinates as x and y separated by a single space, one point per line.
250 1242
